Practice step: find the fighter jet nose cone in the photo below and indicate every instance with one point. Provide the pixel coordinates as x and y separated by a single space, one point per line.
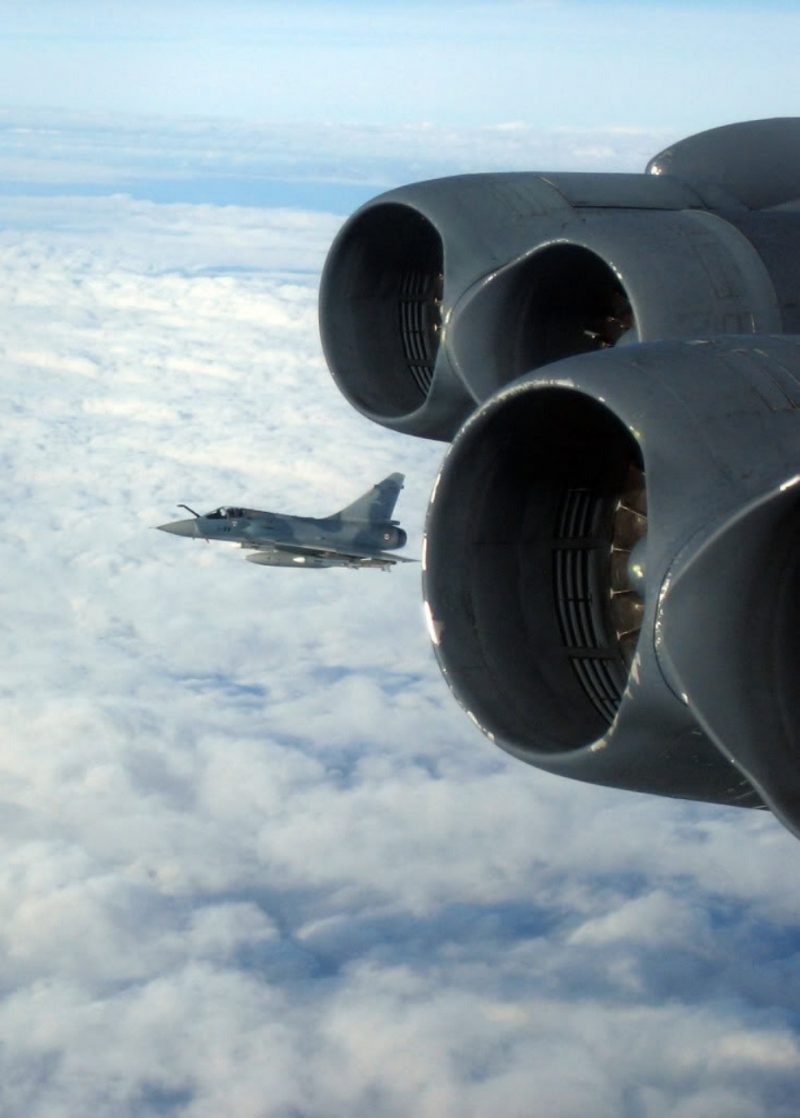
179 528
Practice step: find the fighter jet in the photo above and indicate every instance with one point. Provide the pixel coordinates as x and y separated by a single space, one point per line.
360 535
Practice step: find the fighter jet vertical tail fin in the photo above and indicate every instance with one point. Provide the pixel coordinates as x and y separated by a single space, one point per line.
377 504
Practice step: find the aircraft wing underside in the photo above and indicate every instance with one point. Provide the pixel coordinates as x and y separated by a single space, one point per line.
350 553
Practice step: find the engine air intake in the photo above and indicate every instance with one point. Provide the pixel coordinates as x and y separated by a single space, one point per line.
389 265
521 540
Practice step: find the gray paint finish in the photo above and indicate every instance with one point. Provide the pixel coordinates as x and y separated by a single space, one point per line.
361 535
611 558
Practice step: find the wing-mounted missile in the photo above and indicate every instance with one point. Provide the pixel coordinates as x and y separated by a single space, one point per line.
268 558
611 568
436 294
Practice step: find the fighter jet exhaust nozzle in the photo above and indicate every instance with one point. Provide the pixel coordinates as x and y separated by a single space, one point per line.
392 537
611 595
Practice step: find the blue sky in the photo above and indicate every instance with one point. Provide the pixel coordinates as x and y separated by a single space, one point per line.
670 65
255 861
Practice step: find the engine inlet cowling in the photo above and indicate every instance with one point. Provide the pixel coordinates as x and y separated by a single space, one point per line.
593 564
435 295
612 545
387 270
529 510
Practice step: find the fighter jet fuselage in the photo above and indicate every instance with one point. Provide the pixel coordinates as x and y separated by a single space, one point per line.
360 535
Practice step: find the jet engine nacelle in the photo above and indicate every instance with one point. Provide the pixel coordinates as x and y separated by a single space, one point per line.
435 295
612 546
611 570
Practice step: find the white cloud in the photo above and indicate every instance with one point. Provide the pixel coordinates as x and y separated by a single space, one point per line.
255 862
655 921
146 155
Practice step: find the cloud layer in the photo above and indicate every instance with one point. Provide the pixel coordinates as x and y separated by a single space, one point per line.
258 163
255 862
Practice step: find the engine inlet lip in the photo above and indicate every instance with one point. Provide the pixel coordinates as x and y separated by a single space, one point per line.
388 261
505 637
562 299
